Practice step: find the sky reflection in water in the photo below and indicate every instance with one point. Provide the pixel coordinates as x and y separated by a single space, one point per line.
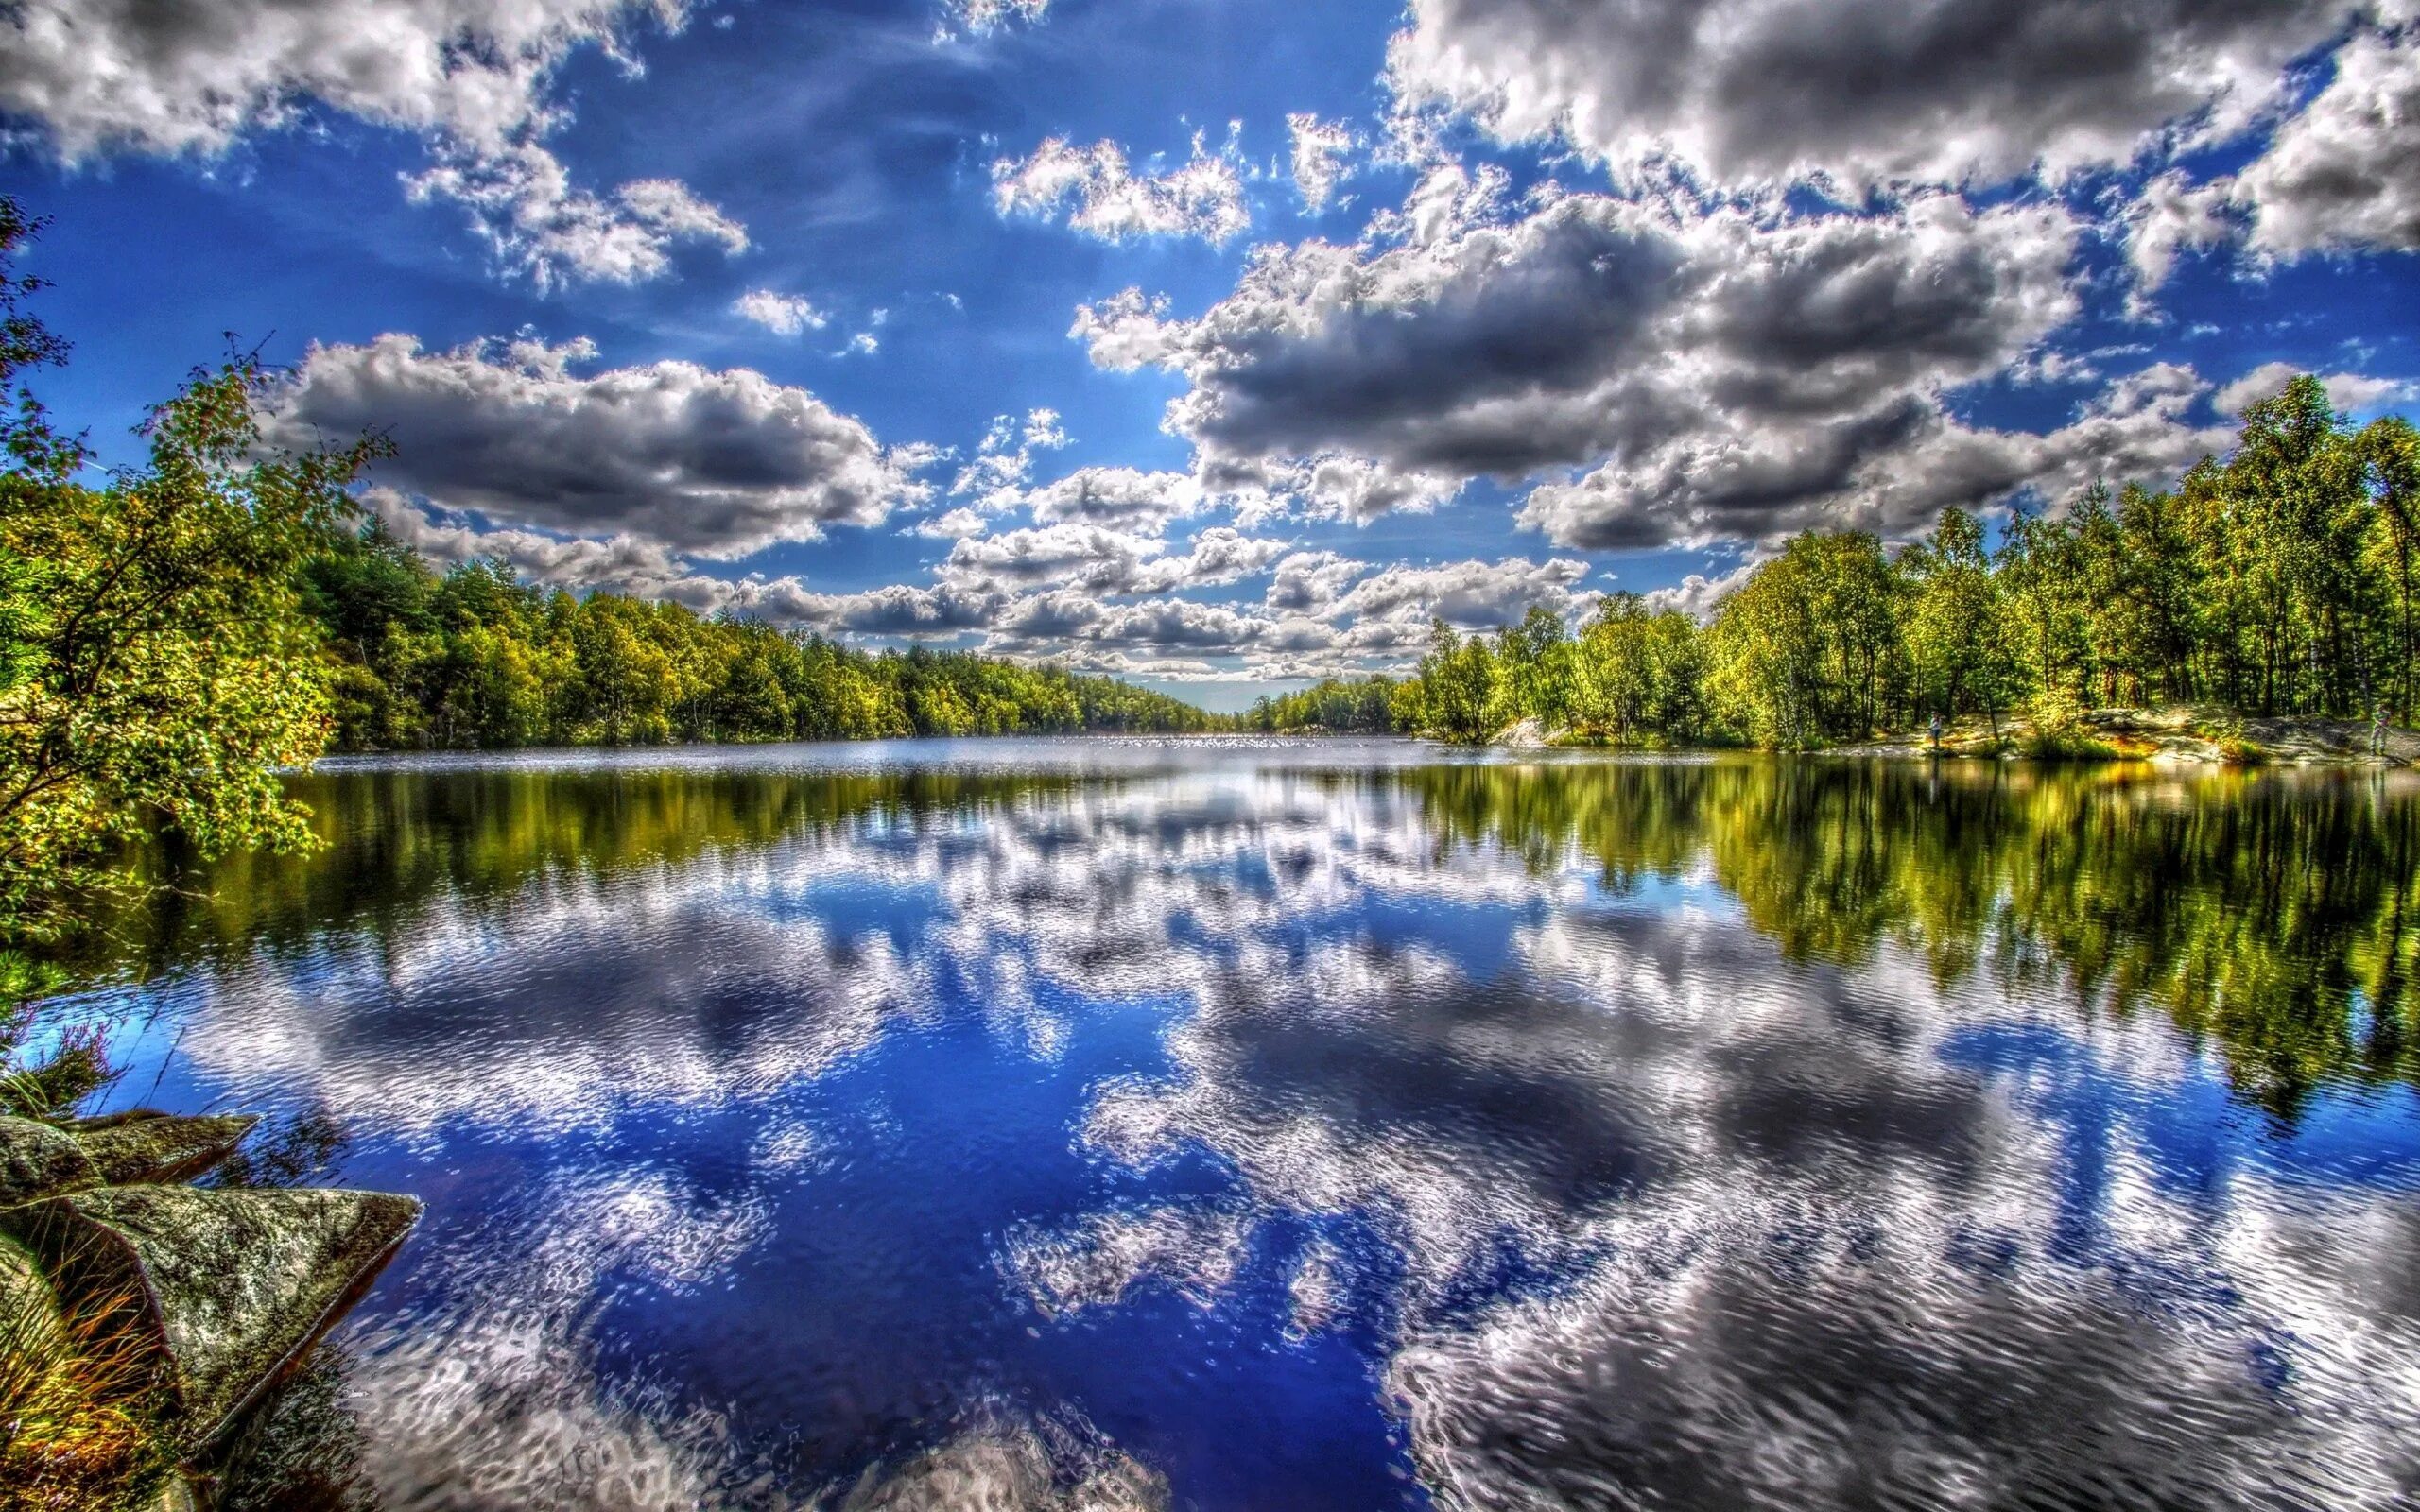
1336 1127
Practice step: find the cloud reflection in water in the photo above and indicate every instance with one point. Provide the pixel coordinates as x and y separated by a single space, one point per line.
1570 1134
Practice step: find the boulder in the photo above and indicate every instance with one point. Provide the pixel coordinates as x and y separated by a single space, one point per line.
38 1160
228 1288
147 1146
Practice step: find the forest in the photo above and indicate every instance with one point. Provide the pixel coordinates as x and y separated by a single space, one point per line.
475 657
2275 582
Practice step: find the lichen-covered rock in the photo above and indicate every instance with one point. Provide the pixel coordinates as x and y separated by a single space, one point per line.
230 1286
147 1146
38 1160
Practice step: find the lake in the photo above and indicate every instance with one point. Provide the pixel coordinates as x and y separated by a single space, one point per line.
1247 1126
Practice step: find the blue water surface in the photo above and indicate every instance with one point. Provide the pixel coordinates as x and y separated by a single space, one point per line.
1251 1126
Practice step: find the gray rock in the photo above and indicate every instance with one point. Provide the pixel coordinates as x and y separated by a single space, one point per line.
229 1287
38 1160
146 1146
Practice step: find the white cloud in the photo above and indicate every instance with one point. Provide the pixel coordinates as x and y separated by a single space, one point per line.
903 610
1753 486
1104 561
2341 176
1349 488
1307 582
1727 362
2347 390
698 461
537 223
786 315
96 77
1322 150
980 18
1117 496
1203 197
1758 92
954 524
1698 596
2345 174
1003 461
2171 215
1474 594
620 564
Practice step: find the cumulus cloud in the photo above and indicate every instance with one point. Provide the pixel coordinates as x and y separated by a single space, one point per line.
2346 390
702 462
537 222
1355 489
2341 176
1712 356
620 564
1894 479
1320 157
954 524
2345 174
1063 617
901 611
1117 496
1104 562
1309 581
2171 215
1698 596
1758 92
1103 197
1473 595
91 78
1003 460
784 315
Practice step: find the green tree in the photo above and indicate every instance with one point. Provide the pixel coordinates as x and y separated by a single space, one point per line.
1461 692
160 668
2390 449
1958 641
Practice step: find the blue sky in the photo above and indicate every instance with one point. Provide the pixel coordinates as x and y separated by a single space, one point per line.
1218 343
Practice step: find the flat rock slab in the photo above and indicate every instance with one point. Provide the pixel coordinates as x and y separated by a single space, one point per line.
136 1147
230 1286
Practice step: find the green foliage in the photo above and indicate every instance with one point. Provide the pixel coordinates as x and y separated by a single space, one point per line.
2281 580
1462 687
154 670
1336 707
1638 675
1810 648
477 658
74 1070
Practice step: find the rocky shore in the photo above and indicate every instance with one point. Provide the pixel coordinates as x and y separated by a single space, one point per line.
142 1317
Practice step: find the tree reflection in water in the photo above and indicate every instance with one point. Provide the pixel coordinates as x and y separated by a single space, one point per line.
1248 1128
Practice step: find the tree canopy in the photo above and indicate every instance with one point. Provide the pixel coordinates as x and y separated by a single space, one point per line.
2278 580
155 673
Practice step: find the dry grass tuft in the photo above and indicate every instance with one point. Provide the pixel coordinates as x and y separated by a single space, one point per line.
75 1389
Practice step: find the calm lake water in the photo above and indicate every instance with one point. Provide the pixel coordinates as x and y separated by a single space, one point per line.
1340 1125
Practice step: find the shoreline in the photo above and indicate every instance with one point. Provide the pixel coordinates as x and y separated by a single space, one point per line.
2177 736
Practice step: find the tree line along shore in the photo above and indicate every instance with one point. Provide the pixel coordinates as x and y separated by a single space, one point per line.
2265 604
